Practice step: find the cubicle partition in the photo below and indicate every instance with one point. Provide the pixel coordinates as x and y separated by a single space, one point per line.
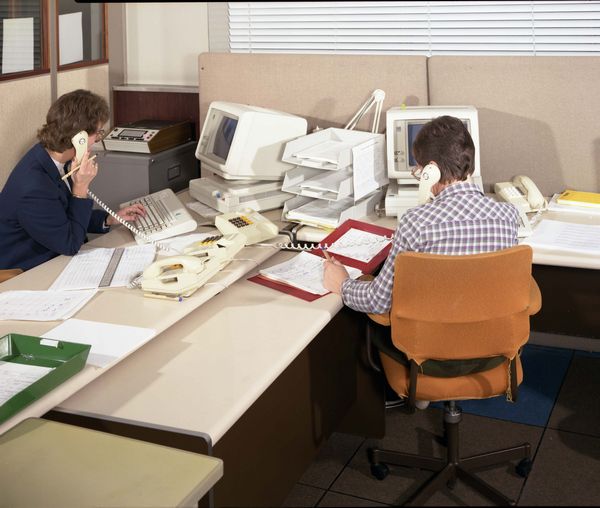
327 90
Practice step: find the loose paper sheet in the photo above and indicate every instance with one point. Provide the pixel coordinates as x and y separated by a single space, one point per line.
70 38
17 45
15 377
109 342
566 236
42 305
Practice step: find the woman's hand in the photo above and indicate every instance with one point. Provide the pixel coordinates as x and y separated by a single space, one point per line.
334 274
129 213
82 178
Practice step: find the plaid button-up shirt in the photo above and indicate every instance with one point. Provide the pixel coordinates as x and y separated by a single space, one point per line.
460 220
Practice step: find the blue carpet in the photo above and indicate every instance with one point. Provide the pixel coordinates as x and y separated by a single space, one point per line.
544 370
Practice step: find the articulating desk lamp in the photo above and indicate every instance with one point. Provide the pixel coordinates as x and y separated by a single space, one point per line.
377 98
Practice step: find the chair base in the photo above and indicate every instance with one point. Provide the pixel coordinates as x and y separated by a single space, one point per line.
449 470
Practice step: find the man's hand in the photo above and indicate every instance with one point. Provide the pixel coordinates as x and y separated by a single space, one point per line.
129 213
334 274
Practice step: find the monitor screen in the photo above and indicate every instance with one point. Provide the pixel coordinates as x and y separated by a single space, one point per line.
412 131
243 142
224 137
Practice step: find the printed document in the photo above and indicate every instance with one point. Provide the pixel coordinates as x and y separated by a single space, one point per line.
42 305
304 271
89 269
566 236
16 377
109 342
369 167
360 245
321 212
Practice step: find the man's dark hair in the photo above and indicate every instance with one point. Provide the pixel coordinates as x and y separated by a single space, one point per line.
446 141
80 110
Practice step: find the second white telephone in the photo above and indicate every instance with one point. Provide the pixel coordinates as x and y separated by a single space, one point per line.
522 193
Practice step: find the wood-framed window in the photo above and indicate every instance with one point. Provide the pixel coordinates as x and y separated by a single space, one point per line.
81 38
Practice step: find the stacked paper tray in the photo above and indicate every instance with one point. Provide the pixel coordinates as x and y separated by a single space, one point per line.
60 359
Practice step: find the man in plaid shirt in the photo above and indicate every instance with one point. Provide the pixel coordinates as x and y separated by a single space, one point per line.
459 220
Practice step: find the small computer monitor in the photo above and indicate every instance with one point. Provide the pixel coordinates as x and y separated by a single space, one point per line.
241 142
404 123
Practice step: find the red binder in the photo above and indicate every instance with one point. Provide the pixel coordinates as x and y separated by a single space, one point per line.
327 241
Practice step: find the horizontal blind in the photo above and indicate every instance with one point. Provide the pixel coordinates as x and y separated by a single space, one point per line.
423 28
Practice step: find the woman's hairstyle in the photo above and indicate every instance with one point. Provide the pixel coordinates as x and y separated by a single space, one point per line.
446 141
80 110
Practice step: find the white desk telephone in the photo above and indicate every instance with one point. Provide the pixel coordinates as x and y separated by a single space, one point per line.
525 195
179 276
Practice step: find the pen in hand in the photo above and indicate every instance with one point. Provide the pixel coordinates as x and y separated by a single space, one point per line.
76 168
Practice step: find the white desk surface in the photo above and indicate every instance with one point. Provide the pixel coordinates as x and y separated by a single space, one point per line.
118 306
205 371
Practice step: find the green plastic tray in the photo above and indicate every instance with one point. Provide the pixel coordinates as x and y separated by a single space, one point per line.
66 359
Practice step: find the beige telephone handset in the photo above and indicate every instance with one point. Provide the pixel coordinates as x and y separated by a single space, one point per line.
429 177
525 195
177 277
522 193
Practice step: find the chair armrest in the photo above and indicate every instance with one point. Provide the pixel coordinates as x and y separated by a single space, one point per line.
535 298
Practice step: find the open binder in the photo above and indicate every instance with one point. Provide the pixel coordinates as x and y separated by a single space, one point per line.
366 266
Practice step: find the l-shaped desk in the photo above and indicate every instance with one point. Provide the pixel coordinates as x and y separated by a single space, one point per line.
254 376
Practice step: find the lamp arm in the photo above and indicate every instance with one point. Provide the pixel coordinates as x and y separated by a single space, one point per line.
377 98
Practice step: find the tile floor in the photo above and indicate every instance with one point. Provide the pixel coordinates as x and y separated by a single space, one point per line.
566 454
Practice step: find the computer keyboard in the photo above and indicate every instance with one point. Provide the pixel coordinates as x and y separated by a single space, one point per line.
166 216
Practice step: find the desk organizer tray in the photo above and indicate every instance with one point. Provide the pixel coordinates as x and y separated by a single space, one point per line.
64 358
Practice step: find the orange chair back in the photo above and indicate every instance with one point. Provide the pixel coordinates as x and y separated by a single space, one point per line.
459 307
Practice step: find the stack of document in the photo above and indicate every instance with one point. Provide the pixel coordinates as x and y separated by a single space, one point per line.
566 236
304 271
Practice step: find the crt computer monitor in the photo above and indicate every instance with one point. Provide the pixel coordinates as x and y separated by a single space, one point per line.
403 125
242 142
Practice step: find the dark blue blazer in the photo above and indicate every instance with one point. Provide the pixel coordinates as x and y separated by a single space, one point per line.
39 218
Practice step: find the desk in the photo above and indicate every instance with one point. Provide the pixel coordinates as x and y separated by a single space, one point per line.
262 376
80 467
116 305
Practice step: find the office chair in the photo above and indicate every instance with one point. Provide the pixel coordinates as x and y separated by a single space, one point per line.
9 274
449 309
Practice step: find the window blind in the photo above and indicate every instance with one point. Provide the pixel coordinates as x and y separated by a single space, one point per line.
424 28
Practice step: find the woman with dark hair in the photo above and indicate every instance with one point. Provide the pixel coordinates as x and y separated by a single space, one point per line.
42 215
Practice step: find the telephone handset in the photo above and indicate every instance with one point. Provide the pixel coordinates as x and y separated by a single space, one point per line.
80 143
178 277
522 193
525 195
429 177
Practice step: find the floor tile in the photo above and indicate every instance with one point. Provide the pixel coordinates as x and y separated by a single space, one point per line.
332 458
303 496
578 406
335 499
544 371
565 471
413 434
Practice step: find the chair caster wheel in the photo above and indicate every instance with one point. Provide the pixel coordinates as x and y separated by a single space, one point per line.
523 468
379 471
